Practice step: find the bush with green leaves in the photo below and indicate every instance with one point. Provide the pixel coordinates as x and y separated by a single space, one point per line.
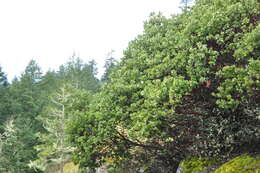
189 85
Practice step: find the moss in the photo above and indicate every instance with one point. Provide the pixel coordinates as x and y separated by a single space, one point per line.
70 168
241 164
197 164
114 170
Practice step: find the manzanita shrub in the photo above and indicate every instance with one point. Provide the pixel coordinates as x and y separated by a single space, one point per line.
189 85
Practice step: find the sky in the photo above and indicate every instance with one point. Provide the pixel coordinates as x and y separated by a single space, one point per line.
51 31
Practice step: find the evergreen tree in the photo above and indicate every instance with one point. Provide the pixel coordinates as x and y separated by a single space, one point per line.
16 148
110 64
186 3
4 99
54 147
80 75
26 103
26 94
32 72
3 79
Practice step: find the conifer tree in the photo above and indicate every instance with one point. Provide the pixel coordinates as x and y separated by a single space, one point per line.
185 3
110 64
54 147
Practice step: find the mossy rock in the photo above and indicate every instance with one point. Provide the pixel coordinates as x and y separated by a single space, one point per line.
241 164
197 165
70 168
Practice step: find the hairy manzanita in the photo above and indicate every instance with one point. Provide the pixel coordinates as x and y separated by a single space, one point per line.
189 85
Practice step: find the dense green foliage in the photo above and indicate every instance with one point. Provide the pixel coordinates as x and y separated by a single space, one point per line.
27 103
79 74
24 103
15 151
110 66
187 87
54 148
4 101
3 78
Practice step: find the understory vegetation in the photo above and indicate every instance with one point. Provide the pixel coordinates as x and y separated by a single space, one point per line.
186 94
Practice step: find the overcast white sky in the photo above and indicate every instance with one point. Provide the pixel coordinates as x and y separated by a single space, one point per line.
50 31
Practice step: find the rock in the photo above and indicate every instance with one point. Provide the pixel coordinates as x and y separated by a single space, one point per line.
179 170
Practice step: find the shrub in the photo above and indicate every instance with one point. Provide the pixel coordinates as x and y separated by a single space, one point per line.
187 86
